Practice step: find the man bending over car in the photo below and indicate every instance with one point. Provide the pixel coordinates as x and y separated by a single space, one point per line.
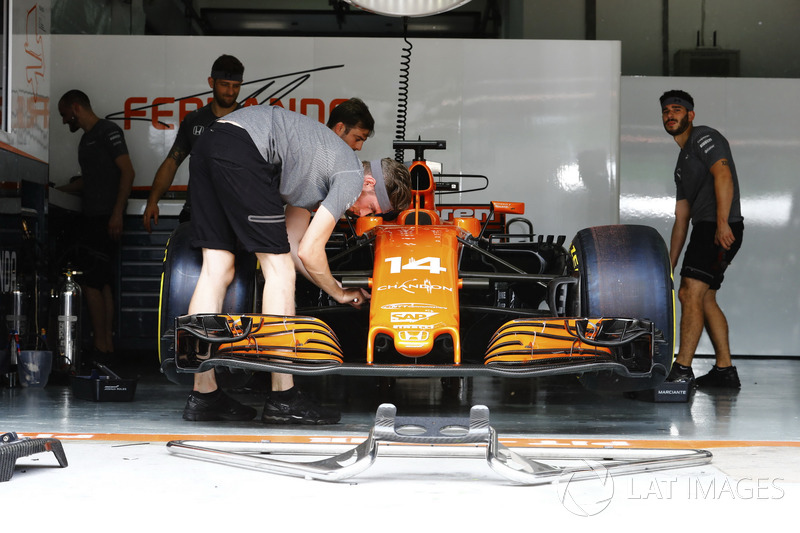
244 170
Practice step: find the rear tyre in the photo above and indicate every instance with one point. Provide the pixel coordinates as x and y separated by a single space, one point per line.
182 264
625 271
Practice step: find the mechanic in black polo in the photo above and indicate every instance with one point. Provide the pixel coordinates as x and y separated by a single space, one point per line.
708 196
225 81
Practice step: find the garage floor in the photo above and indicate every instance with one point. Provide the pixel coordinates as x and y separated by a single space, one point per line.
122 475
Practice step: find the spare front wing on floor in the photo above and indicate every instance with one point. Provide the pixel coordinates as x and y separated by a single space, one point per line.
441 437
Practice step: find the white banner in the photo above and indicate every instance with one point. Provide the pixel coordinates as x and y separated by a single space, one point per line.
539 118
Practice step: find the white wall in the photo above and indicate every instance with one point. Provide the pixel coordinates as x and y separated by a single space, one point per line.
539 118
760 295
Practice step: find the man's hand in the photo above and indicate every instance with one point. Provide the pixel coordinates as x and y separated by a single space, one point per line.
115 225
724 236
161 184
354 297
151 211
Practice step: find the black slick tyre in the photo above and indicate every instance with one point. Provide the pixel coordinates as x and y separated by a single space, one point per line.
625 271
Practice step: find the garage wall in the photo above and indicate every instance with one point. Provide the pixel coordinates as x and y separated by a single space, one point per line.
759 117
539 118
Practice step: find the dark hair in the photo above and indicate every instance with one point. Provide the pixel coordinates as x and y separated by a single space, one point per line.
353 113
227 66
75 96
677 93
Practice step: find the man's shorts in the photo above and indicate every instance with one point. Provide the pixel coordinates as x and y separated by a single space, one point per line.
706 261
235 194
97 253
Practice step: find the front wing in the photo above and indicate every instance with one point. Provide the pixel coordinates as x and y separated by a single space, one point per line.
523 347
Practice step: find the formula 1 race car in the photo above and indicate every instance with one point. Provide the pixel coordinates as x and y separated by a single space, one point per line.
455 293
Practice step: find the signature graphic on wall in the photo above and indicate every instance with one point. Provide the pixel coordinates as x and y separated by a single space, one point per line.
34 50
264 90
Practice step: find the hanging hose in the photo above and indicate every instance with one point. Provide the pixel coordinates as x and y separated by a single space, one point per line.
402 99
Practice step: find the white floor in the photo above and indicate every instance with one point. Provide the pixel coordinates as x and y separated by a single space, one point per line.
111 486
122 477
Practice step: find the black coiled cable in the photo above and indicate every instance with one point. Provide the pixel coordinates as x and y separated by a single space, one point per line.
402 98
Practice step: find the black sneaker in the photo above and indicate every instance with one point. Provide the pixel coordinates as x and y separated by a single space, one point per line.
723 378
216 406
680 374
295 407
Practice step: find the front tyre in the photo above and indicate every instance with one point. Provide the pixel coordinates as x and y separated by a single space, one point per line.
182 264
625 271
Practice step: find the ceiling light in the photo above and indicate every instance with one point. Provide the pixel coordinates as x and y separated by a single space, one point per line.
407 8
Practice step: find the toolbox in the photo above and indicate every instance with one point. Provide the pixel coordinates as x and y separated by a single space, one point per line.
103 387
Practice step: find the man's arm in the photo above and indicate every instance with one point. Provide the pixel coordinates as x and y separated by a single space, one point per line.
165 175
311 254
297 221
723 187
125 186
680 229
73 187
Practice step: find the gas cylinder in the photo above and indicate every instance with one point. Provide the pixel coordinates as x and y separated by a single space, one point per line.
17 325
17 321
69 324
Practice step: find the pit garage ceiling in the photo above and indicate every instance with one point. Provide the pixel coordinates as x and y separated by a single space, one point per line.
341 18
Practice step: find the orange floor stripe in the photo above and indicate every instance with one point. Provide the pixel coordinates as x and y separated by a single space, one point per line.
522 442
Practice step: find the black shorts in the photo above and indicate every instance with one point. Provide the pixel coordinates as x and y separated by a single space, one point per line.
97 253
235 194
706 261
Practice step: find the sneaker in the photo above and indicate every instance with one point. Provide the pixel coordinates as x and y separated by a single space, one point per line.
295 407
724 378
216 406
680 374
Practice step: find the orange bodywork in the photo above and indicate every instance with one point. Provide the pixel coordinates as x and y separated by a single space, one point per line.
415 288
528 340
283 337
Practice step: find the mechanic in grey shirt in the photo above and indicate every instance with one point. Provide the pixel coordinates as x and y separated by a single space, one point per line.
243 170
707 194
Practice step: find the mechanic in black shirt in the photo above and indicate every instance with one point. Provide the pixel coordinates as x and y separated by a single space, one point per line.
105 184
225 82
708 196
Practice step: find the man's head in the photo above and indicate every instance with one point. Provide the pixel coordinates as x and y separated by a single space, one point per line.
677 111
387 187
72 107
352 121
226 80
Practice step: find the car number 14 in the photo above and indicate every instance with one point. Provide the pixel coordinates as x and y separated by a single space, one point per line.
431 264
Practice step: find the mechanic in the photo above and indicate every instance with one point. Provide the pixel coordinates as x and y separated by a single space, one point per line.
708 196
225 81
352 122
104 184
244 169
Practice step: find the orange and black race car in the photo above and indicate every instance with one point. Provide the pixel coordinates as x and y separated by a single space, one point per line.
456 291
